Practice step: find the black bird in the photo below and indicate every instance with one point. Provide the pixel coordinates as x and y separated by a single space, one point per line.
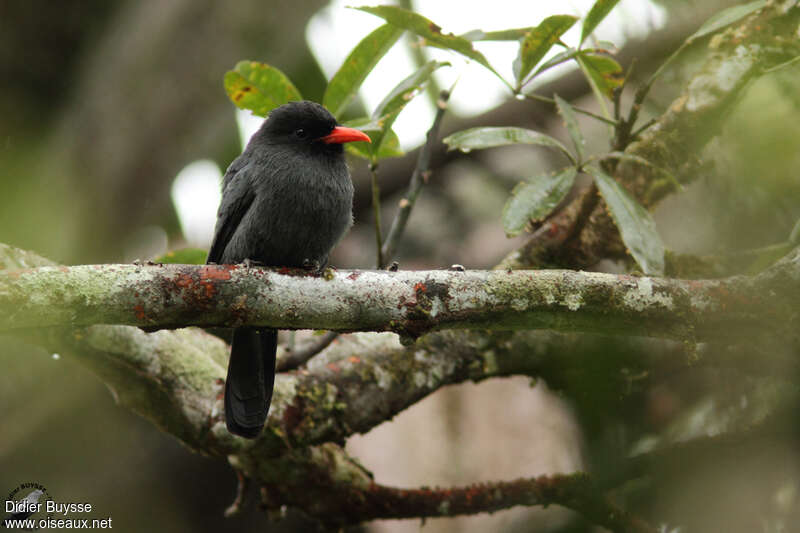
286 201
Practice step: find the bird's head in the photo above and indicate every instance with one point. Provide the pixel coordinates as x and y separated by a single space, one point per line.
307 123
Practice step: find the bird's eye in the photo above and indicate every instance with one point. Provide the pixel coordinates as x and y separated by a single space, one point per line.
300 133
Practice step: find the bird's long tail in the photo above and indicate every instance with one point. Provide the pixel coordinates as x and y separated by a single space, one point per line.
251 376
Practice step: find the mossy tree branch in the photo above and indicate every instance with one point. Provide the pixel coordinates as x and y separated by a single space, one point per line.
408 303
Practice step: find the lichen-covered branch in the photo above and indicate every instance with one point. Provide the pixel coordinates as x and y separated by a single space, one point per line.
408 303
736 57
175 379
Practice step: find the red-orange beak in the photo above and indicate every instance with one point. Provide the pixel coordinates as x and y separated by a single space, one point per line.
340 134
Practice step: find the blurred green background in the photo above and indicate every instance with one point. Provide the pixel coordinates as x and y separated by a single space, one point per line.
104 102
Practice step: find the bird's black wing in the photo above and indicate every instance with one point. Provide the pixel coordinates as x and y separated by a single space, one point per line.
237 197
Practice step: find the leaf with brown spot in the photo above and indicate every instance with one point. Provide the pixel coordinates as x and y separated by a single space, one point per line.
604 71
259 87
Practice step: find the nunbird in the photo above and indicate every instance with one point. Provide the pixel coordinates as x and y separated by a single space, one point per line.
286 201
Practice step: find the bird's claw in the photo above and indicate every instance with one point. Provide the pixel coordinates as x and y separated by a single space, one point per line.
250 263
312 265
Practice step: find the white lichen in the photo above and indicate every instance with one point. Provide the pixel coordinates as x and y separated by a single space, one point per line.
519 304
643 297
436 306
573 301
549 298
705 89
382 378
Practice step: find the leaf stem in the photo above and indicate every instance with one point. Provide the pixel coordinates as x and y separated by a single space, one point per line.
540 98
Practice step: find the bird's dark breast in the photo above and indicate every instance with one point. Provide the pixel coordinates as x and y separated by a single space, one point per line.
302 208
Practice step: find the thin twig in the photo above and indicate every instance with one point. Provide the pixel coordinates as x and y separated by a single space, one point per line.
575 491
242 495
642 128
376 211
296 358
418 179
590 199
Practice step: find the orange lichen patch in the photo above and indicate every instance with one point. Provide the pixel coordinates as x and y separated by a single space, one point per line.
184 281
333 367
210 289
139 310
200 287
215 272
420 287
353 359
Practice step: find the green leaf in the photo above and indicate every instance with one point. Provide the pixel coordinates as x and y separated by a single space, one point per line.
184 256
431 32
636 226
726 16
539 41
391 106
502 35
605 72
599 10
571 122
488 137
389 147
259 87
536 199
362 59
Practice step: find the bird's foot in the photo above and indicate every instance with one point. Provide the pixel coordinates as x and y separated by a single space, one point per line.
312 265
250 263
